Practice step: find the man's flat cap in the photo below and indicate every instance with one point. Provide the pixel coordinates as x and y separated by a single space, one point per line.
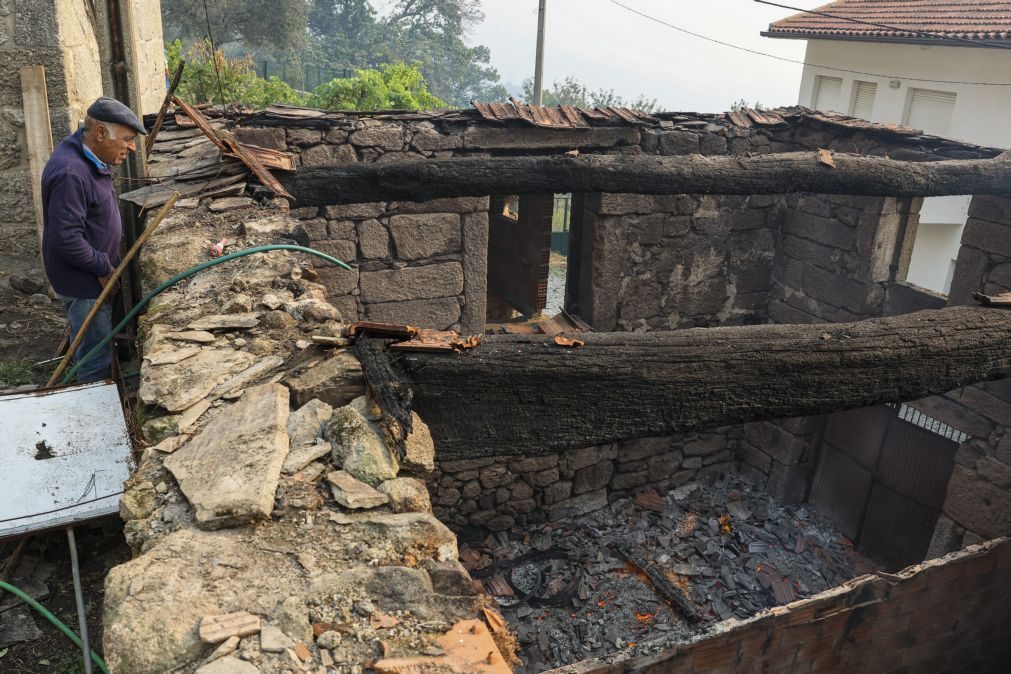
108 109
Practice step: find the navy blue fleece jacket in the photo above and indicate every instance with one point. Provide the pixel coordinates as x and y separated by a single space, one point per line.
82 228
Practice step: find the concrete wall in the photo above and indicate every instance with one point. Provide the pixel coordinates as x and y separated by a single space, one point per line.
979 115
947 615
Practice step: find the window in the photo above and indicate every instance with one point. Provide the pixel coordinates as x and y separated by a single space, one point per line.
863 99
827 93
930 110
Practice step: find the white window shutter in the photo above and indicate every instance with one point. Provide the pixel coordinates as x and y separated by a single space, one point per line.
863 99
827 93
931 110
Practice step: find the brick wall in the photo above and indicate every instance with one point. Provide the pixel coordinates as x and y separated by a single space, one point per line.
948 614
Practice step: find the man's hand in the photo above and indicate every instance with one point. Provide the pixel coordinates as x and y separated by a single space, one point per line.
104 281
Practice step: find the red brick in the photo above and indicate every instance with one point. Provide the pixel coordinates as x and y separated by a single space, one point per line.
712 656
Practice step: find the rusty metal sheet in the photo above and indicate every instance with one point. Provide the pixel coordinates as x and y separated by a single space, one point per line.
503 111
626 115
739 119
645 117
573 116
556 119
764 118
65 455
521 110
485 110
540 115
594 114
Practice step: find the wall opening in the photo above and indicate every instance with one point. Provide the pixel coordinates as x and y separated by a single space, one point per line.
529 243
881 477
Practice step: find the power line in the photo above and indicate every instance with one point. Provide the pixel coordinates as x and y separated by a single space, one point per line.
926 33
799 62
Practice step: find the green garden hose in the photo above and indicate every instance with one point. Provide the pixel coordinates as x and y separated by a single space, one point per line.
184 275
44 612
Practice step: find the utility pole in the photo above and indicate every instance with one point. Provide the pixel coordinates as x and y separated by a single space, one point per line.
539 64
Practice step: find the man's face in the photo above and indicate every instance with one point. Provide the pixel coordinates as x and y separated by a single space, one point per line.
113 142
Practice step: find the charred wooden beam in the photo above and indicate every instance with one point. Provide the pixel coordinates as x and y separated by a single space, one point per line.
526 395
689 174
385 389
662 585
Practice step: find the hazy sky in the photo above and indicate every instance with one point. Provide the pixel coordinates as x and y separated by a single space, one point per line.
606 46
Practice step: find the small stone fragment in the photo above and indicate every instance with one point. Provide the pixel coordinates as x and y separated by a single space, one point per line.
230 204
199 336
305 424
303 456
358 447
229 665
407 495
217 628
225 322
330 639
39 300
273 640
227 647
353 493
169 356
302 651
271 301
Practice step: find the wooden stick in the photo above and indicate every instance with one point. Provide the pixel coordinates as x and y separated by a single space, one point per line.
109 286
153 133
38 132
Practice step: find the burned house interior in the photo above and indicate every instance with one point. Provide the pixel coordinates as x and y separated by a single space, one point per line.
589 391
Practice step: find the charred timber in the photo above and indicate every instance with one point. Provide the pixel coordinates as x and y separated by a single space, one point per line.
526 395
689 174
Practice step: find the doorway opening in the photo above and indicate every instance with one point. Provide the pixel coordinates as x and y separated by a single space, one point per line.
533 250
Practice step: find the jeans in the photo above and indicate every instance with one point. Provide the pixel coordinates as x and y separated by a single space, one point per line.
99 366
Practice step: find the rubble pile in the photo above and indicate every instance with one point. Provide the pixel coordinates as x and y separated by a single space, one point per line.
276 527
570 593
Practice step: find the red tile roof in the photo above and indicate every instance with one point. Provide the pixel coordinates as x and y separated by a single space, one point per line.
982 20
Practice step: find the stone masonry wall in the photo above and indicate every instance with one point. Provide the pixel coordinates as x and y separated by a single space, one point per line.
947 614
502 492
670 262
978 502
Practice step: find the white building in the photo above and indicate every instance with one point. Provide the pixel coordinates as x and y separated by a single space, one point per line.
953 81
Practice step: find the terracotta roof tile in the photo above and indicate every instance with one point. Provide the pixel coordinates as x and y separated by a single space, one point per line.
983 20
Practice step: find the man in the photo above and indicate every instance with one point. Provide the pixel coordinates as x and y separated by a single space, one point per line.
82 228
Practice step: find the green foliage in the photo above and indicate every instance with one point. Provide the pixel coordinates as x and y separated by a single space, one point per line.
17 371
571 91
239 82
392 86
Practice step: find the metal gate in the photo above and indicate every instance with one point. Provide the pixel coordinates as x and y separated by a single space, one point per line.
882 475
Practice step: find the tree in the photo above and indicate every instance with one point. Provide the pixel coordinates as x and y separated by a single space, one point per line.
571 91
396 86
741 104
279 24
210 76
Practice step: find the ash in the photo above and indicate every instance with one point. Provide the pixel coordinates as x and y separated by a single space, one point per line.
570 595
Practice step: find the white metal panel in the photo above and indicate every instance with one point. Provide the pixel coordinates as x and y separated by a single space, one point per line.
64 455
827 93
863 99
931 110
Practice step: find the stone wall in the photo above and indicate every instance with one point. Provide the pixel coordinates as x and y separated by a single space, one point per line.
670 262
947 614
978 502
502 492
837 256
